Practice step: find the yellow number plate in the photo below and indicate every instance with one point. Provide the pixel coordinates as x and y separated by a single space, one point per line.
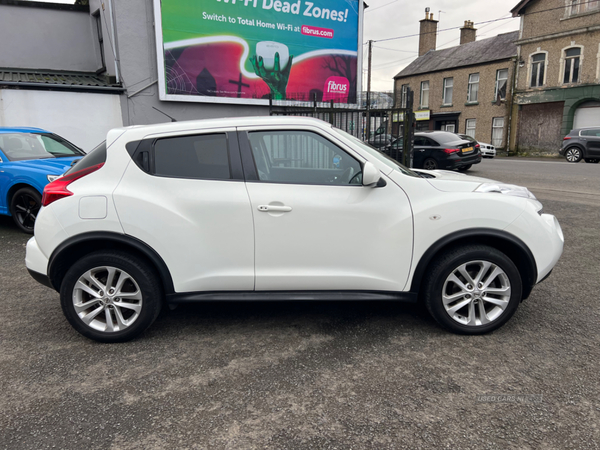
467 150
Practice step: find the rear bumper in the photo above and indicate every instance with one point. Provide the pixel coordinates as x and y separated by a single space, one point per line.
40 278
452 163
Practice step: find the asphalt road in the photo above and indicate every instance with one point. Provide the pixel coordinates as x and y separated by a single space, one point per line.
318 375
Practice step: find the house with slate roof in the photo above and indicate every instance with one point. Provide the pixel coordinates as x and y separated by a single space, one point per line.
463 89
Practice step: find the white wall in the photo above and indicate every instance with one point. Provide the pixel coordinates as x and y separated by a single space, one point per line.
81 118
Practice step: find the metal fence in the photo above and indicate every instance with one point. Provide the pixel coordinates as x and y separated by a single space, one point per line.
384 128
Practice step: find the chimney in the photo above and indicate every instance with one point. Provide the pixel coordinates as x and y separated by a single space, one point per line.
427 33
467 33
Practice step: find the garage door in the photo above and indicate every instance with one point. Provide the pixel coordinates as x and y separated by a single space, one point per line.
587 115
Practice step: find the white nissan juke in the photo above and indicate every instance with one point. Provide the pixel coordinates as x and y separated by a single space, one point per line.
279 208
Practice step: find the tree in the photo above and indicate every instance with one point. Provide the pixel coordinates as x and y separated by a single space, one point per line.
82 2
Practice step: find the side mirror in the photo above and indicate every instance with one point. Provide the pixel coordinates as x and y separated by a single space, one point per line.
371 176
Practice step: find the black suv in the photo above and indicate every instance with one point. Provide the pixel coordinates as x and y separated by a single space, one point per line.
582 143
441 150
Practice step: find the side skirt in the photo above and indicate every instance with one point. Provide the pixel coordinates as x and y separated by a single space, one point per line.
191 297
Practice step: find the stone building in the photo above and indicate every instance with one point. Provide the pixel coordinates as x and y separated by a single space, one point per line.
558 74
463 89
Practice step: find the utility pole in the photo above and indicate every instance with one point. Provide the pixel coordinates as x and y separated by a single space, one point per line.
369 91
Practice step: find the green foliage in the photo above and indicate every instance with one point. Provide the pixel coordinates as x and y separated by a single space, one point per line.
82 2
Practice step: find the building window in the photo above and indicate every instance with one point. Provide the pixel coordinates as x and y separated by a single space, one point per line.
572 61
404 96
501 82
538 67
473 88
582 6
470 128
424 94
447 94
497 131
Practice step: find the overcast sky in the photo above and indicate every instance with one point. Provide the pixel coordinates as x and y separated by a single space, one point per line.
392 18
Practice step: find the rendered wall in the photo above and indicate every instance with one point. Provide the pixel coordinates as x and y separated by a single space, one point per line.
81 118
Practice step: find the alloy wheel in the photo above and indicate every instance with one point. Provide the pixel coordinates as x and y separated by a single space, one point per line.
26 208
107 299
476 293
573 155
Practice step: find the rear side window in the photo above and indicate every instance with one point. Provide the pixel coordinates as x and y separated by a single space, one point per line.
202 156
590 132
94 157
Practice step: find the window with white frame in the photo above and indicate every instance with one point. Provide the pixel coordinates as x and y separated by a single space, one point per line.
473 90
538 68
447 94
470 128
404 97
497 131
424 102
572 61
501 82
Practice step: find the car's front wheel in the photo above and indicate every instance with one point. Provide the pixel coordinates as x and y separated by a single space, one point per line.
24 207
111 296
573 154
473 289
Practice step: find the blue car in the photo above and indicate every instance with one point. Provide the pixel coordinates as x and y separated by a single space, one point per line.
30 158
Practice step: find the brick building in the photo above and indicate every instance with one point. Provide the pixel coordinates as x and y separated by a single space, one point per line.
558 73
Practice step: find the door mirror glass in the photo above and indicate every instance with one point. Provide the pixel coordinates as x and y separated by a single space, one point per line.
371 174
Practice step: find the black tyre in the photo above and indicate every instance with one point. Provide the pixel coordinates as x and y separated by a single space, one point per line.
110 296
573 154
592 160
465 168
473 289
430 164
24 207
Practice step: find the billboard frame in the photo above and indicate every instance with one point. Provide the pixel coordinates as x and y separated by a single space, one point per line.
162 83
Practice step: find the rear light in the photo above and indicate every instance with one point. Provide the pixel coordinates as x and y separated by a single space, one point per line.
477 146
566 138
450 150
58 188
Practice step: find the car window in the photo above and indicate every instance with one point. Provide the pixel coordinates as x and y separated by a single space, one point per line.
200 156
26 146
421 141
302 157
382 157
96 156
590 132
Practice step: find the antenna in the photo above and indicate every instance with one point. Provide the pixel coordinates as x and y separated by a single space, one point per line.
172 118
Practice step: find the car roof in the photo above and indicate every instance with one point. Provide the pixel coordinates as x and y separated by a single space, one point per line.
4 130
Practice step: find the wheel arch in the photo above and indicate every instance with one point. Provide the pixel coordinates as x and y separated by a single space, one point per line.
74 248
510 245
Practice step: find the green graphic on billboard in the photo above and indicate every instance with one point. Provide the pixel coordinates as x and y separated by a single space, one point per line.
233 51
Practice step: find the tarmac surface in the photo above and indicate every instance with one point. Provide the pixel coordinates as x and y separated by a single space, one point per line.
333 375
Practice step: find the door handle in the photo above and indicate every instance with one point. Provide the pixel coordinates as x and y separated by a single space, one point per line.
274 208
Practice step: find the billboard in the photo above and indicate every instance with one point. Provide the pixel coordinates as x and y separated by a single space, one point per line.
244 51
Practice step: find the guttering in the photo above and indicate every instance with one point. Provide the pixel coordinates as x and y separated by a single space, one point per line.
64 87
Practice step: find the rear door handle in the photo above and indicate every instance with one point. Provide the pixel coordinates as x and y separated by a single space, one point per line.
273 208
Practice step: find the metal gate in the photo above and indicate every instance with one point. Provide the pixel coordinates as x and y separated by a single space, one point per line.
385 129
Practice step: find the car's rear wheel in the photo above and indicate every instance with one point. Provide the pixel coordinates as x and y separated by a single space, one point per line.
430 164
573 154
465 168
110 296
592 160
473 289
24 207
